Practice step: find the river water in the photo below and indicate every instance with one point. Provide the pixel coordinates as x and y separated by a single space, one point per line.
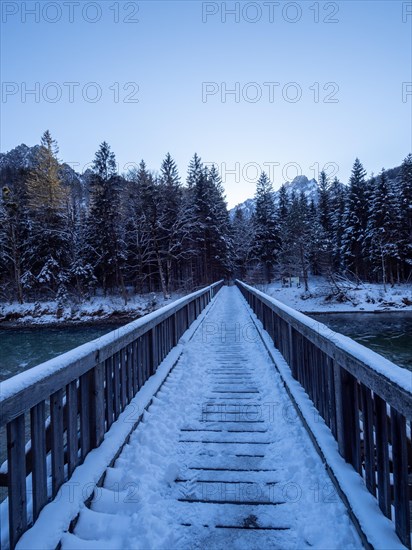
389 334
21 349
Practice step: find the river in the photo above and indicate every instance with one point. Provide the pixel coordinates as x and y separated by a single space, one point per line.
389 334
21 349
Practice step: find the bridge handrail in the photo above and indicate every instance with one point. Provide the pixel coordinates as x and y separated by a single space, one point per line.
85 388
365 400
391 382
63 369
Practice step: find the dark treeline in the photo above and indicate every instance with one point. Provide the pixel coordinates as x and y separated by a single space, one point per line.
362 231
136 233
144 232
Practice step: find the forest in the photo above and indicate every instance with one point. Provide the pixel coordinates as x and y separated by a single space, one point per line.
148 231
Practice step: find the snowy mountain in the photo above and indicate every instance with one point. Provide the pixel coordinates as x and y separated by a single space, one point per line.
23 157
301 183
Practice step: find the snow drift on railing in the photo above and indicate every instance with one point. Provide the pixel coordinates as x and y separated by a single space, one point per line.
21 381
398 375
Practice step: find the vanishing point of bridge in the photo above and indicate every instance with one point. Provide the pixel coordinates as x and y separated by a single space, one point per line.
225 420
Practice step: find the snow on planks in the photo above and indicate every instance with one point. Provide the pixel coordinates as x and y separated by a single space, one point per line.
220 459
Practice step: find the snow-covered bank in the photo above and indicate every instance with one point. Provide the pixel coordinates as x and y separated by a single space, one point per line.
98 308
322 297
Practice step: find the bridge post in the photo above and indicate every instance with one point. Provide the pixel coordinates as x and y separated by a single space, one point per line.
123 379
39 480
84 414
97 412
17 479
382 456
71 421
347 416
57 447
109 391
153 351
400 477
369 446
291 353
175 329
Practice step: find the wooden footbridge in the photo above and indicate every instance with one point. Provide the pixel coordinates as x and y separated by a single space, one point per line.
223 420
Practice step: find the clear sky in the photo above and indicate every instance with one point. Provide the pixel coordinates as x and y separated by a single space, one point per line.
314 83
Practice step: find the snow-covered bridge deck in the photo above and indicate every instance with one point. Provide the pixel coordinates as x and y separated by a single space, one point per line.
217 457
220 460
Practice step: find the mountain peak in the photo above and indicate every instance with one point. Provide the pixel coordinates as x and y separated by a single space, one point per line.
302 183
21 156
298 185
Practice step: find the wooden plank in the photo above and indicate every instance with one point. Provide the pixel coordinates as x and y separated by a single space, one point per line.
175 329
400 477
17 479
382 456
324 388
57 443
347 416
116 385
129 370
108 368
369 446
187 318
140 368
71 423
39 466
97 404
153 351
135 368
145 357
331 398
339 400
85 442
291 358
123 379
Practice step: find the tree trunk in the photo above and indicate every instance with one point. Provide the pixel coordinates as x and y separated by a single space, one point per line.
17 270
169 275
304 269
383 271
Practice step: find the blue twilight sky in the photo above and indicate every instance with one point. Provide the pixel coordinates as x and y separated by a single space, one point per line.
340 89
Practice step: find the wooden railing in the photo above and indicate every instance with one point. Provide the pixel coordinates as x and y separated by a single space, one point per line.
56 413
365 400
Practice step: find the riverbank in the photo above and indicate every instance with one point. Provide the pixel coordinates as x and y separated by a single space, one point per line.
322 297
109 309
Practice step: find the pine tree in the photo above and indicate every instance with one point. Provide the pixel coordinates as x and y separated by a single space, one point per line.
14 230
317 242
171 220
105 238
337 212
218 225
324 203
195 171
382 230
138 252
405 225
283 204
356 216
243 238
324 222
295 251
47 203
266 226
45 188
